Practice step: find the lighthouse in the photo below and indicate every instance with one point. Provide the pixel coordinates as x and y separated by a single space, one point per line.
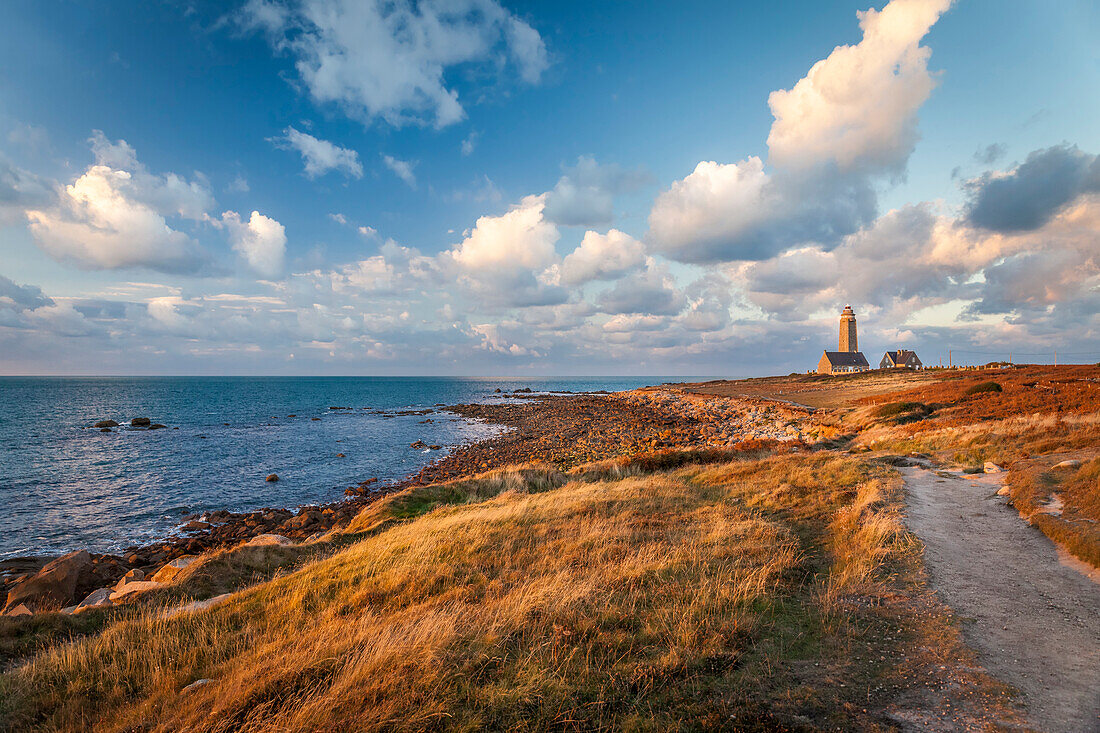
848 340
848 358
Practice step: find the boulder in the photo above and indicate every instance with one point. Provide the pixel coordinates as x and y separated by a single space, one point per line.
269 540
195 525
272 477
157 426
96 599
991 467
418 445
106 424
104 430
54 586
141 422
132 575
138 586
1072 463
172 569
19 610
340 455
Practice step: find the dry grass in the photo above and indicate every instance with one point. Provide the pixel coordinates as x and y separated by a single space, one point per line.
670 592
1035 487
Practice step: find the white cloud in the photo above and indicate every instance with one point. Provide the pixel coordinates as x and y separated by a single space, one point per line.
469 143
519 238
390 59
114 215
238 185
261 241
857 108
320 156
403 169
339 219
602 257
849 123
697 217
511 258
585 194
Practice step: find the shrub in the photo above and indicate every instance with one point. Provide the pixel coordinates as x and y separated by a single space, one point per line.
898 408
982 387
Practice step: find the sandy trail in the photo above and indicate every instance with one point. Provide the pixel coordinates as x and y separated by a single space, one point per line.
1035 621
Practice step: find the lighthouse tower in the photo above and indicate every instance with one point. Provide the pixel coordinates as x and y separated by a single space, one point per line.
848 340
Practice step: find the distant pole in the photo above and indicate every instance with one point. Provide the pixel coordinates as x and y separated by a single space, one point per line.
949 362
1056 357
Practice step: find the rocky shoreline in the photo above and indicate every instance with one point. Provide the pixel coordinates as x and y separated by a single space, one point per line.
561 429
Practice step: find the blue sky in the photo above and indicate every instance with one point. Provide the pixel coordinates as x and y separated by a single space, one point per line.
519 189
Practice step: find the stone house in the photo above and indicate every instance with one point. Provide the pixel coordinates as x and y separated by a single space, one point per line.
900 359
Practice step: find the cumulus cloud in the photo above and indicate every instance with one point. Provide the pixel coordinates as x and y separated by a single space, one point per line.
584 195
857 107
113 216
261 241
602 257
319 156
510 259
850 122
403 169
1027 196
389 60
651 292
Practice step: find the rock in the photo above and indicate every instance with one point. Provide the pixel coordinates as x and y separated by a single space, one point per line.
197 605
125 589
53 586
991 467
418 445
106 424
172 569
141 422
272 477
435 447
269 540
196 685
157 426
96 599
315 419
1003 491
1072 463
195 526
340 455
132 575
105 430
19 610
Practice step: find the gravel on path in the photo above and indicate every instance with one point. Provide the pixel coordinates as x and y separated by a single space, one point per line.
1033 620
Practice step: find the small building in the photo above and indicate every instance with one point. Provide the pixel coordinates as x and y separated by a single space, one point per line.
841 362
900 359
849 358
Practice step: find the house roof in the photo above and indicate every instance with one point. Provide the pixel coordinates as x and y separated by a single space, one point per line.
900 356
846 358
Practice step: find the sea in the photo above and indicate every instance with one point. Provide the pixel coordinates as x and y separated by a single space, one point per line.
65 485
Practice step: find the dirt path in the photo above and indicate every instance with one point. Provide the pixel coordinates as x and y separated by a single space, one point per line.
1034 621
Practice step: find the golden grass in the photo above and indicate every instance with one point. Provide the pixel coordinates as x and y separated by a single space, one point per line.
1033 486
615 597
